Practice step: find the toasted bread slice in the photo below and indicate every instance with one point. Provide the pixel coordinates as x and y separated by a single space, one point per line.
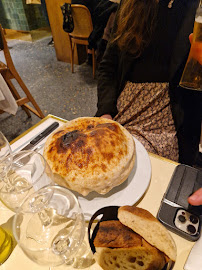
113 233
145 224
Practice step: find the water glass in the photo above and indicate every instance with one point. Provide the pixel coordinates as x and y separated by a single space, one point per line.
49 226
26 172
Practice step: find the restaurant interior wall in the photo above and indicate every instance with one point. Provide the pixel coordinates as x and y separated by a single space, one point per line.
17 15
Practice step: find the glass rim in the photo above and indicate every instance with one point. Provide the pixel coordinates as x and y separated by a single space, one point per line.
10 165
20 212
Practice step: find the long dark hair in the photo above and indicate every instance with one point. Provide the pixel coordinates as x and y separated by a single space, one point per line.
136 20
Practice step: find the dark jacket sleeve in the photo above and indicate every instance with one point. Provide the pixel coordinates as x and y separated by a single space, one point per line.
108 82
100 18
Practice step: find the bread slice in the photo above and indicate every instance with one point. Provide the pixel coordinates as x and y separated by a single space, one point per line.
145 224
113 233
139 258
118 247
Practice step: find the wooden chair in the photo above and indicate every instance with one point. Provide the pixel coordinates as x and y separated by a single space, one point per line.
83 26
8 71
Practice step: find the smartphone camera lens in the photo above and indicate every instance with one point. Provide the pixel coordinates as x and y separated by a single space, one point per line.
191 229
182 218
193 219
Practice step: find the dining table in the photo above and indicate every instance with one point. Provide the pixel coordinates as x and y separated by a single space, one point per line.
161 173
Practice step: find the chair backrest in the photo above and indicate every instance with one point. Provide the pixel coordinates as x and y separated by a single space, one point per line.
1 38
82 21
4 47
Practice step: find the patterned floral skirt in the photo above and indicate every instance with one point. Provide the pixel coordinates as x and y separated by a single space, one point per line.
144 110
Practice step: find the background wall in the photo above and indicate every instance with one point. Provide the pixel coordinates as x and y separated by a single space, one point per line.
17 15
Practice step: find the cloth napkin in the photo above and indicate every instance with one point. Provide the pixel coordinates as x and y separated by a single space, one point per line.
194 261
7 101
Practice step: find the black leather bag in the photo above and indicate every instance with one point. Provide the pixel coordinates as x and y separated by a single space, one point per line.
68 23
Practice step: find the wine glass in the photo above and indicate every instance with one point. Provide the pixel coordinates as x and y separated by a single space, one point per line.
49 226
5 150
25 173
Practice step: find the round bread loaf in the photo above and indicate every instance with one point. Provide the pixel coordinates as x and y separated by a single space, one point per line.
90 154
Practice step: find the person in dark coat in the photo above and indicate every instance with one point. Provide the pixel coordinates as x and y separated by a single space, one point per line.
138 80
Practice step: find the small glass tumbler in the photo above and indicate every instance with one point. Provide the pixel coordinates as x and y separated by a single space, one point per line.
26 173
49 226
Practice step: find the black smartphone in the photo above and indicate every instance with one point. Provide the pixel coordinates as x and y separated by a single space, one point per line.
175 212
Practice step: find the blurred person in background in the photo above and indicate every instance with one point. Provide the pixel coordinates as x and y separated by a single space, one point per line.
138 80
100 13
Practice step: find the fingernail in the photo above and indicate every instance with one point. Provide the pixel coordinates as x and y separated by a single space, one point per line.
194 197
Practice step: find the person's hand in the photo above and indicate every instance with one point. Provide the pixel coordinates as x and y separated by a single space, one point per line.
196 198
108 116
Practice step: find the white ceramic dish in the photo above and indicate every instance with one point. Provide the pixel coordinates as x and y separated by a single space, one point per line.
127 193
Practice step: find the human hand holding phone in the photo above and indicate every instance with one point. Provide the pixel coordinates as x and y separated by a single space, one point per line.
175 212
196 198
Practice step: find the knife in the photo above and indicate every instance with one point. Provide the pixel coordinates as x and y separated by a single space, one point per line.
41 136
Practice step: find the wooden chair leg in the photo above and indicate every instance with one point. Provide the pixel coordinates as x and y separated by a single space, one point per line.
94 62
38 111
72 57
17 96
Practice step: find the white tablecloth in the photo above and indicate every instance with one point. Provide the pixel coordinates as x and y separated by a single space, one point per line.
7 101
162 170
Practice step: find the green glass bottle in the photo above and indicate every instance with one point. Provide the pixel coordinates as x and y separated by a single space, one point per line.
5 245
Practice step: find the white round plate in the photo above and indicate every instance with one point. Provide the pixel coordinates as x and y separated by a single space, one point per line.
128 192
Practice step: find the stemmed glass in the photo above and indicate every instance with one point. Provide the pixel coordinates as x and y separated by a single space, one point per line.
25 173
5 150
49 226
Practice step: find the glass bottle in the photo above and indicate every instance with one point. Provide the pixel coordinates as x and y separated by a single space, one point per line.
5 245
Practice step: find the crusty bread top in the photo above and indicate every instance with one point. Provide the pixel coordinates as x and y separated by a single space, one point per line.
90 154
140 212
145 224
113 233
